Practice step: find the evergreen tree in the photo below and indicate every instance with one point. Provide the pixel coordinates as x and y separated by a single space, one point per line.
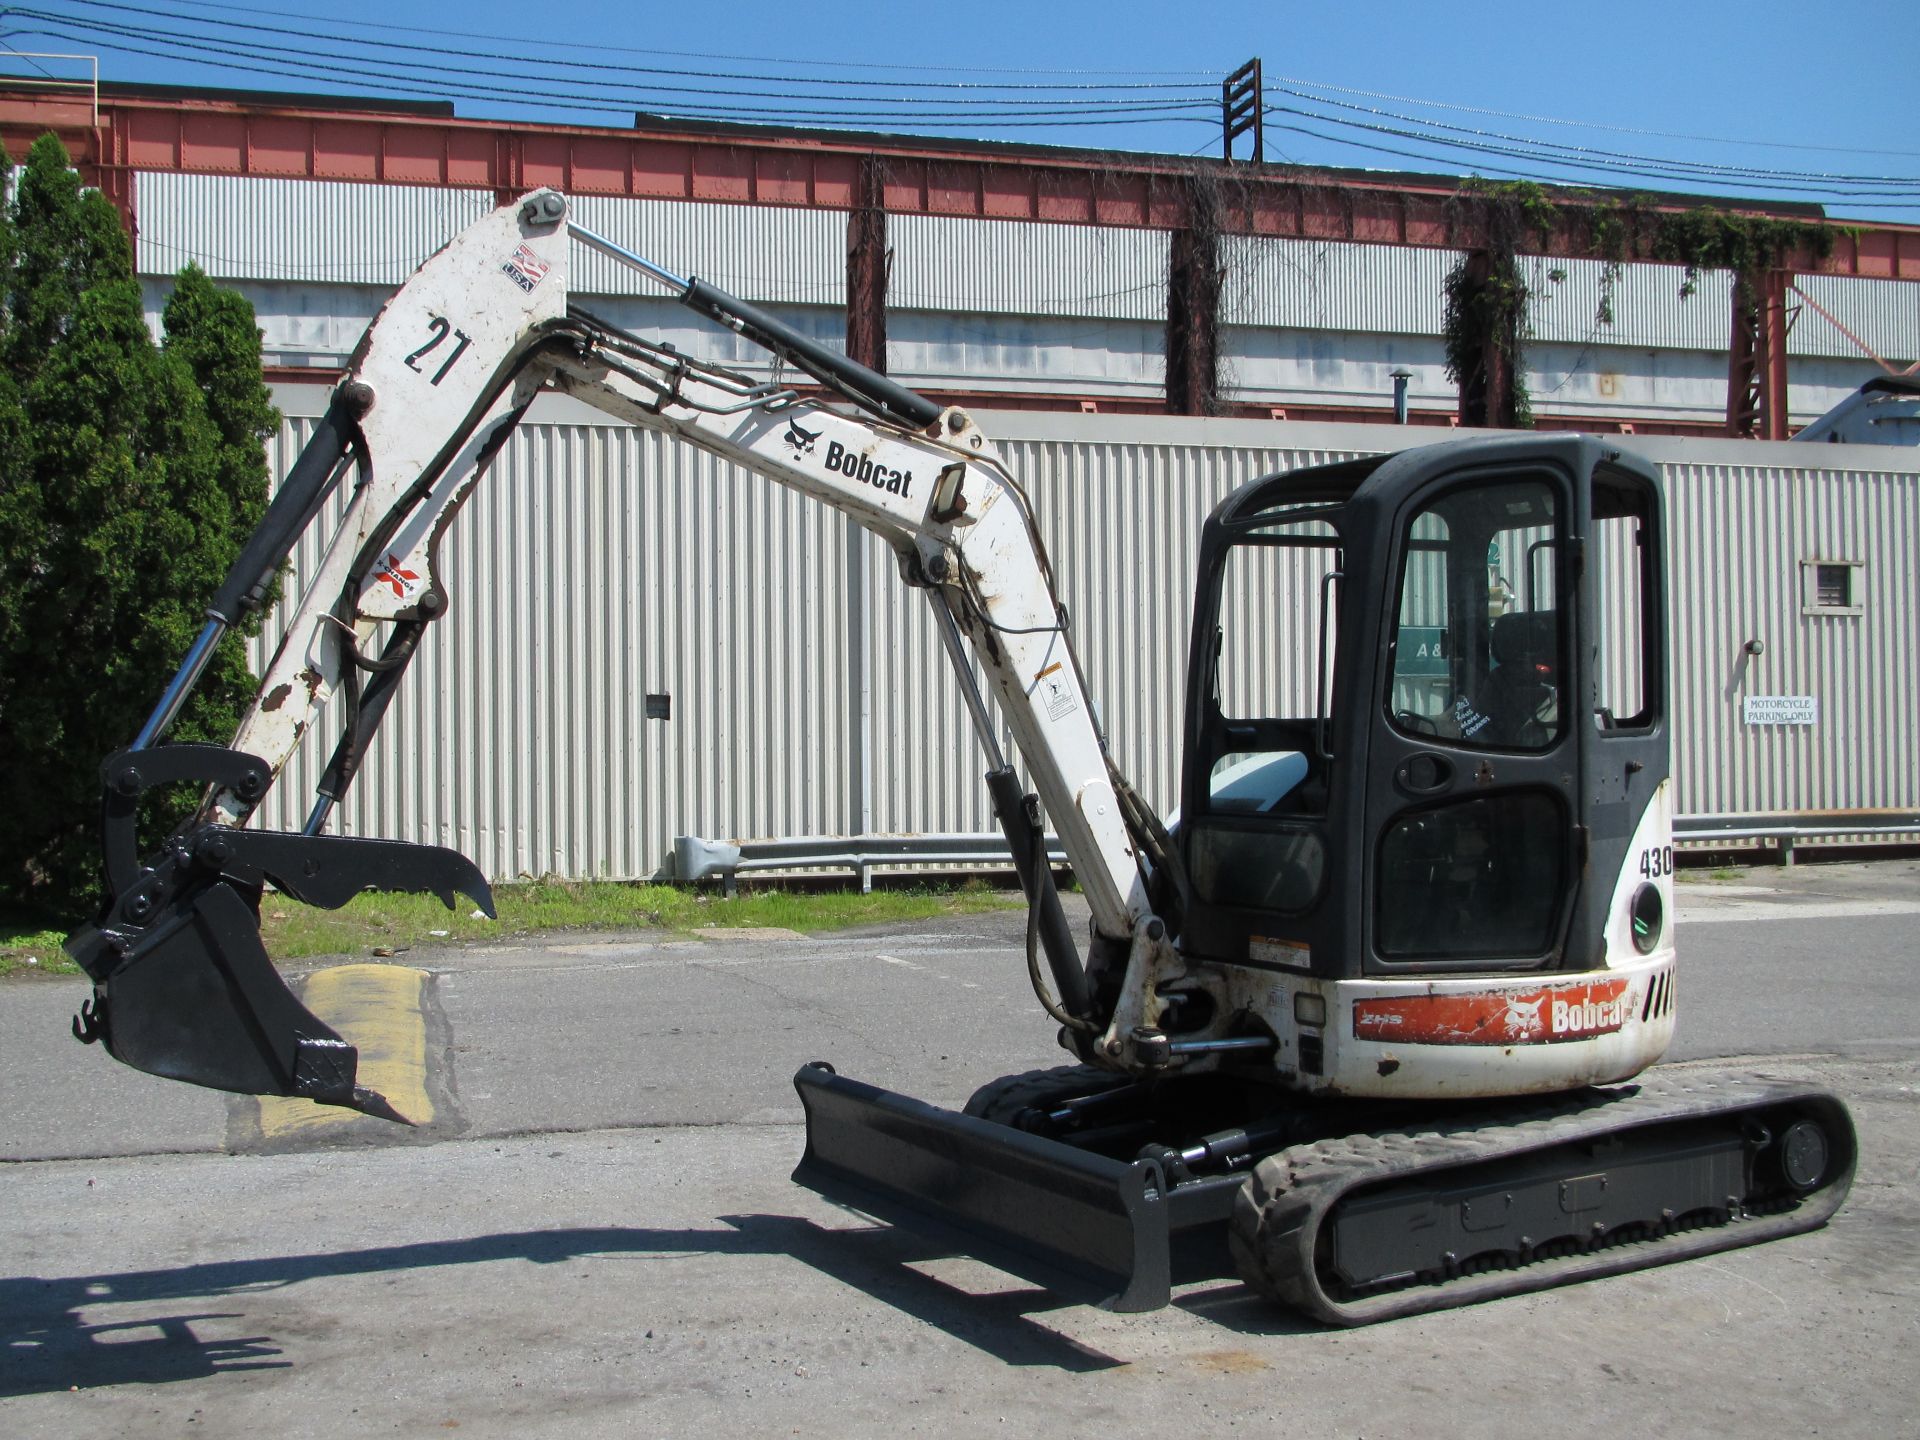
130 475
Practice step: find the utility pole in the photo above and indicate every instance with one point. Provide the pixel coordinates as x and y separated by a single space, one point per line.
1242 110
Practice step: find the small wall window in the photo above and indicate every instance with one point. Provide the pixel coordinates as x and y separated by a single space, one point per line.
1832 587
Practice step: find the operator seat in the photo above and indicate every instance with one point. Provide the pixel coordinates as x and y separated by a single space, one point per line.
1526 652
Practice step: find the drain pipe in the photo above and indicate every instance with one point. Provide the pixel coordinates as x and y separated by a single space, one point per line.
1400 379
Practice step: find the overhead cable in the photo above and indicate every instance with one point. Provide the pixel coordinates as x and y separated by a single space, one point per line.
1582 152
1284 80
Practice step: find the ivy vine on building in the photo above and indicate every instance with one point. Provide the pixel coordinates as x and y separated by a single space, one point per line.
1485 324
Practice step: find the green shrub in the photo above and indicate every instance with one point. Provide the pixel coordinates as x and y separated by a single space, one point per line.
130 475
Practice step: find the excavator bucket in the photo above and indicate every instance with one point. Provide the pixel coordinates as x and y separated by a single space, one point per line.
182 986
198 1000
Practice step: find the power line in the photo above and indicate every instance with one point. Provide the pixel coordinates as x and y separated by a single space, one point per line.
234 55
1211 76
1589 124
1787 182
884 97
520 59
18 55
1533 173
953 107
1583 151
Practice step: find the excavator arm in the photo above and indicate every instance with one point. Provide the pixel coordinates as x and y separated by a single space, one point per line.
183 986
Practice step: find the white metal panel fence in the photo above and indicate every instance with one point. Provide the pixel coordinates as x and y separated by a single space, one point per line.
809 694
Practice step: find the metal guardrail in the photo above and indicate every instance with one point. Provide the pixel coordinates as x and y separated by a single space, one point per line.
1788 828
696 859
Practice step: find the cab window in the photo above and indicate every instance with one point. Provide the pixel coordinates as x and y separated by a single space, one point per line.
1477 642
1266 741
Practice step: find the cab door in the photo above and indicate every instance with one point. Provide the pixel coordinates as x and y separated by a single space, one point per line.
1473 769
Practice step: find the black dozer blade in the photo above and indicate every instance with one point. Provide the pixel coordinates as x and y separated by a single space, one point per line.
191 994
1088 1228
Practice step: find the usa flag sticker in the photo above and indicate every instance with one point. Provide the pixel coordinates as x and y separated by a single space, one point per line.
525 268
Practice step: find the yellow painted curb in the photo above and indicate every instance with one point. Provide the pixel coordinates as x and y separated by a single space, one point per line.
377 1008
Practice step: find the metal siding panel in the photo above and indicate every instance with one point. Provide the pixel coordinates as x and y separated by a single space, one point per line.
1007 267
1739 536
1122 522
1333 285
1392 290
769 254
1015 352
346 233
597 564
247 228
1649 310
342 233
1616 566
1885 314
927 764
593 565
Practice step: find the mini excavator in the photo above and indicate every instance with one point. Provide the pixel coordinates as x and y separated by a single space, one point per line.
1371 1014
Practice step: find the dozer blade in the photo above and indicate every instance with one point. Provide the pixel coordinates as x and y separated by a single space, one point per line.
196 999
1088 1228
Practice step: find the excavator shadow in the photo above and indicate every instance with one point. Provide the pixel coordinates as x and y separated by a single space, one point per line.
144 1327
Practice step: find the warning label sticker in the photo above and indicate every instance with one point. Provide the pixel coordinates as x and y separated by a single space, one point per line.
1055 695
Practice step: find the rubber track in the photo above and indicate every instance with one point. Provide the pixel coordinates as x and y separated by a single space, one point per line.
1281 1208
1003 1099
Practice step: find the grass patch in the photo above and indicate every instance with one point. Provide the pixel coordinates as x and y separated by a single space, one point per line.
24 948
382 920
1695 876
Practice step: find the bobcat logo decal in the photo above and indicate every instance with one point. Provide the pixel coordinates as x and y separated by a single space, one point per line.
1523 1018
800 441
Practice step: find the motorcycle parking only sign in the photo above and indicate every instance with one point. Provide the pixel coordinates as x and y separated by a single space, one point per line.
1780 710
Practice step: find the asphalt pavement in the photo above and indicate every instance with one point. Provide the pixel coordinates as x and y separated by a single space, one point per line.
595 1233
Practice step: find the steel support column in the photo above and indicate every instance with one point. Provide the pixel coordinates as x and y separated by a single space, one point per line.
1757 357
1487 396
867 267
1193 309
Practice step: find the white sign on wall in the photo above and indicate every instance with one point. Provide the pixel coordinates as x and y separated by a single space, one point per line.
1780 709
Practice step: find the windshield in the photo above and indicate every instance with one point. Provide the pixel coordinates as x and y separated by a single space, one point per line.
1477 639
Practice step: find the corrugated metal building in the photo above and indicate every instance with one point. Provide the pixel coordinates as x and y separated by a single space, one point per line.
809 694
599 567
1023 308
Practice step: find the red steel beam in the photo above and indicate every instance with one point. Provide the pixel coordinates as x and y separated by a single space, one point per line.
226 137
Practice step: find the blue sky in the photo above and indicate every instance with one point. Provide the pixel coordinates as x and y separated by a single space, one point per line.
1765 100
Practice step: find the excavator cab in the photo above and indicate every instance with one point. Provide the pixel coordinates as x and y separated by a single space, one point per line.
1425 712
1425 866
